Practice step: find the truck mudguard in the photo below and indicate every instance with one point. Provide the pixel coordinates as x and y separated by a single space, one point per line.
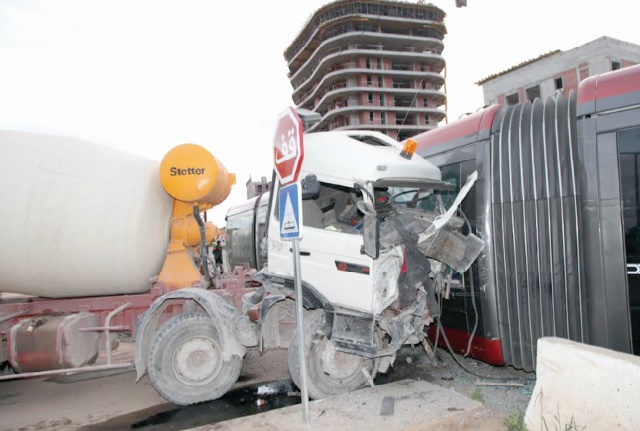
281 287
282 284
235 330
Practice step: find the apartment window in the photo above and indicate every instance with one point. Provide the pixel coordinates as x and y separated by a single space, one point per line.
584 73
426 119
382 100
513 99
380 81
371 117
368 63
615 65
379 63
423 67
533 93
425 102
370 98
383 118
369 80
559 84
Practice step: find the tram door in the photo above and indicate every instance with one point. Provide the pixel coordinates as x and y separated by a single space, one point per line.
629 157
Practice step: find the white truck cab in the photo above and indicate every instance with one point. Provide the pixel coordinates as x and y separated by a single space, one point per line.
375 241
346 168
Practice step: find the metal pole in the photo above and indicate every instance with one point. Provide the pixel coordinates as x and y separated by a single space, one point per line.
107 324
14 315
299 311
65 371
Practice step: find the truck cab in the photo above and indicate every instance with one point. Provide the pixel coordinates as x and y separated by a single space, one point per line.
375 243
332 250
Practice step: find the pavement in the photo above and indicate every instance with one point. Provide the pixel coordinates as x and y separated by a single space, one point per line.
113 400
402 405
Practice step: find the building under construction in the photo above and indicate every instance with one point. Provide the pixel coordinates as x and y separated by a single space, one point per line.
374 65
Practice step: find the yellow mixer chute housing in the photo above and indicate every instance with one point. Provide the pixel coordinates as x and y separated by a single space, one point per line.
196 181
190 173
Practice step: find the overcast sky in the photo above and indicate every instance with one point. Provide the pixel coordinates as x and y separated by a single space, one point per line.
144 76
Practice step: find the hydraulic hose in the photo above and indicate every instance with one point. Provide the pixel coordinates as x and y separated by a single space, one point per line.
453 354
203 244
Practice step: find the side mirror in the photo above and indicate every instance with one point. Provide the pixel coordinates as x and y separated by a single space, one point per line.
371 229
308 117
310 187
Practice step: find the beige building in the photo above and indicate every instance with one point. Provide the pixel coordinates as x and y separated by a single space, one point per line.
371 64
558 71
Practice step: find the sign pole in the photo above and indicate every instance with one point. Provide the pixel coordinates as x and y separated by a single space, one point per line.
288 153
299 313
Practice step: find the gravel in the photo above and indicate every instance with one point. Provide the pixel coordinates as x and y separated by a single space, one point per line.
504 390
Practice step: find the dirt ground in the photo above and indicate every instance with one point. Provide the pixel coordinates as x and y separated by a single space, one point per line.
70 402
504 392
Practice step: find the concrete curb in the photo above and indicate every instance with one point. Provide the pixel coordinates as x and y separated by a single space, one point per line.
579 385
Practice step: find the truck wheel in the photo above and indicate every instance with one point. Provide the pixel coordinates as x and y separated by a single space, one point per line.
329 371
186 363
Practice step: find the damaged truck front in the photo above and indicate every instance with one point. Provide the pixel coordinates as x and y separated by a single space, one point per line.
376 245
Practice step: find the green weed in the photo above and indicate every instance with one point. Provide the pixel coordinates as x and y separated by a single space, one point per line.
477 396
571 426
515 422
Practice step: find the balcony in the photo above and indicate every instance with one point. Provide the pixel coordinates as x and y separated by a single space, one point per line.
374 43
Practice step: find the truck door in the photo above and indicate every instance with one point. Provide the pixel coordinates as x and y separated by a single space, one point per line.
331 256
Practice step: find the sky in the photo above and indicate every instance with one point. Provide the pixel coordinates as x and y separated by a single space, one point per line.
144 76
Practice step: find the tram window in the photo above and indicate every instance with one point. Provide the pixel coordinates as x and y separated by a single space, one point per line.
629 148
450 175
629 159
456 173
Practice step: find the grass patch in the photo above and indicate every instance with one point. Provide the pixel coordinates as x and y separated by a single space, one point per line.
477 396
515 422
571 426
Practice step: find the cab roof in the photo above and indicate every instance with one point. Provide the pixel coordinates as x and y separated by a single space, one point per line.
346 157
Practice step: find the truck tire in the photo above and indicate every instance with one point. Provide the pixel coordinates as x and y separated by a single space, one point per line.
186 363
329 372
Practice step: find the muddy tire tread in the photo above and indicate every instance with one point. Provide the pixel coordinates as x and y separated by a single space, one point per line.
166 384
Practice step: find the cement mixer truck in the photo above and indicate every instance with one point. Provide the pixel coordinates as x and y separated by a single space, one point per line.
120 243
97 241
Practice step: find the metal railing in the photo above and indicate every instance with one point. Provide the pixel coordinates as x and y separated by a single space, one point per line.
106 329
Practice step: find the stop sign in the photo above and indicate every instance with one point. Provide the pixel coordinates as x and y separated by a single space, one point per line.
288 149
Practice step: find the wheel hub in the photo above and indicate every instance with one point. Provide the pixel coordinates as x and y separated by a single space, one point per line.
197 360
338 364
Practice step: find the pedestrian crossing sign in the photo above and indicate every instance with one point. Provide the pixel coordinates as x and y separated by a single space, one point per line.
290 211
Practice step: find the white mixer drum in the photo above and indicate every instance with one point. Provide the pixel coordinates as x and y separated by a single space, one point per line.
77 218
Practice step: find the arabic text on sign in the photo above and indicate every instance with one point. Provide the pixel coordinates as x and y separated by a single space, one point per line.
288 149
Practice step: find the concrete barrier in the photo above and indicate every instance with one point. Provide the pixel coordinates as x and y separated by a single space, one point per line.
579 386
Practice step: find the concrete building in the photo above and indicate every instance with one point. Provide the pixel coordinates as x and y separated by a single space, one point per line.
558 71
371 64
256 188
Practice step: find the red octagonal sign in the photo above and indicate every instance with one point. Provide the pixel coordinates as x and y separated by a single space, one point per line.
288 149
